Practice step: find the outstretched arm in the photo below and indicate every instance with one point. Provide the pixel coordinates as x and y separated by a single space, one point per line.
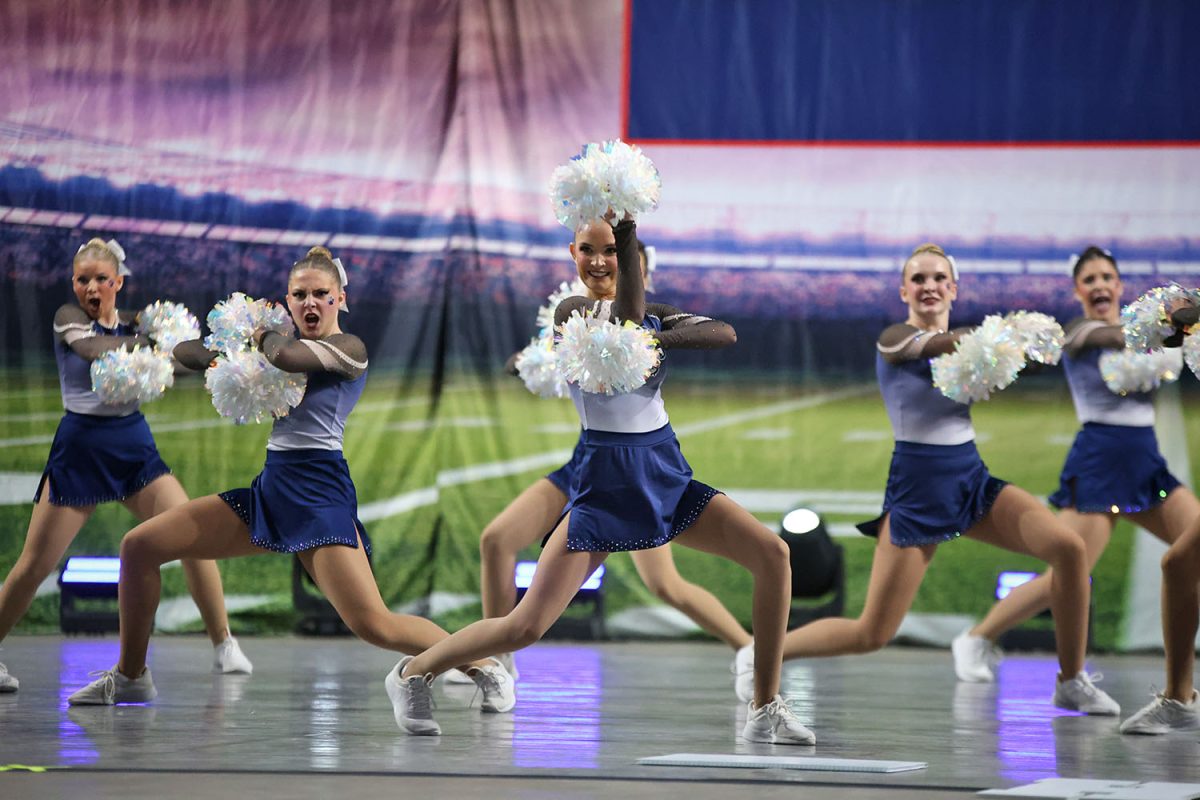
343 354
1084 334
630 303
903 342
194 355
73 327
684 331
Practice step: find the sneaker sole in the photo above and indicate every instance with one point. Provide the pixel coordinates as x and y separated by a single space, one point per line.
775 740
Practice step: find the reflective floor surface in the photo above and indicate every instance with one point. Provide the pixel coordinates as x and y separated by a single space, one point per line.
314 721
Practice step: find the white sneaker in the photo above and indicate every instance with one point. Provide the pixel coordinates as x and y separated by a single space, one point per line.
458 678
743 673
8 683
412 701
228 658
1163 715
112 688
499 691
510 664
1081 694
776 723
975 658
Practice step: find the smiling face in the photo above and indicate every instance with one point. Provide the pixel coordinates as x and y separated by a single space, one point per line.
313 299
96 284
1098 288
595 254
929 289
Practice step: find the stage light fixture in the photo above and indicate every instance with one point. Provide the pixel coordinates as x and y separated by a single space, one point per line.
1007 581
1037 633
589 625
818 567
87 600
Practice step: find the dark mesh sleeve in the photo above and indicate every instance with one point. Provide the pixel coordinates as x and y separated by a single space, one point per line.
73 327
193 354
902 342
684 331
343 354
1083 334
631 291
569 306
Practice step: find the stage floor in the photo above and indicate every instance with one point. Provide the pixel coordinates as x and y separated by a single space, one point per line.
314 721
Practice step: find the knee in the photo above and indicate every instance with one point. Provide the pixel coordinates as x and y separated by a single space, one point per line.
1068 550
665 589
493 543
525 632
873 637
1177 567
772 556
370 628
136 546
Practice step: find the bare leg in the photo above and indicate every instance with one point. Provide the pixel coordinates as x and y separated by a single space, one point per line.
1181 572
51 530
896 574
1032 598
657 570
203 578
205 528
726 529
559 575
344 576
1018 522
523 522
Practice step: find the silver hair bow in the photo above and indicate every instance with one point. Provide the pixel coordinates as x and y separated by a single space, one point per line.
953 268
650 264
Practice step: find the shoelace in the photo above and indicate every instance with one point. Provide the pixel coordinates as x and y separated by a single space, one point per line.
1089 680
781 707
487 682
420 698
107 681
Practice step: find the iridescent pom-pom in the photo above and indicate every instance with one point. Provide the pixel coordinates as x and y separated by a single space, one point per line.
545 315
1041 334
233 321
603 357
168 324
1191 353
537 365
245 387
606 176
987 360
1147 320
1130 370
131 376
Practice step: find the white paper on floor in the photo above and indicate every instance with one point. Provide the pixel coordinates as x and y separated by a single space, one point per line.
780 762
1076 789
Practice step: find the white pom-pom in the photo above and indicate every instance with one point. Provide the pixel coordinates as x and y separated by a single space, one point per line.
987 360
603 357
606 176
131 376
1129 370
233 321
1191 353
245 387
537 365
168 324
1040 334
545 315
1147 321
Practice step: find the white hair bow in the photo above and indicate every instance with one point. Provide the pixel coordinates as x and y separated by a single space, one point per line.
118 252
953 268
337 262
650 264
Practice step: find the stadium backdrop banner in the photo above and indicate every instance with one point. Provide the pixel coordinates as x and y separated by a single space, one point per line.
805 148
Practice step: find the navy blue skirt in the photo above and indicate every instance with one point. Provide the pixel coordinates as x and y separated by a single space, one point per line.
632 491
563 478
98 459
934 493
1113 469
302 499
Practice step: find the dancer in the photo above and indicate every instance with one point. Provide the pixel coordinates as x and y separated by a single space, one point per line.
540 505
1113 469
938 489
1176 707
102 453
632 490
302 502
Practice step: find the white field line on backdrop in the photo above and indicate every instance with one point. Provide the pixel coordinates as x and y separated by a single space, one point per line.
408 501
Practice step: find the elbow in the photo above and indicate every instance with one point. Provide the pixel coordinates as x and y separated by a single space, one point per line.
730 335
